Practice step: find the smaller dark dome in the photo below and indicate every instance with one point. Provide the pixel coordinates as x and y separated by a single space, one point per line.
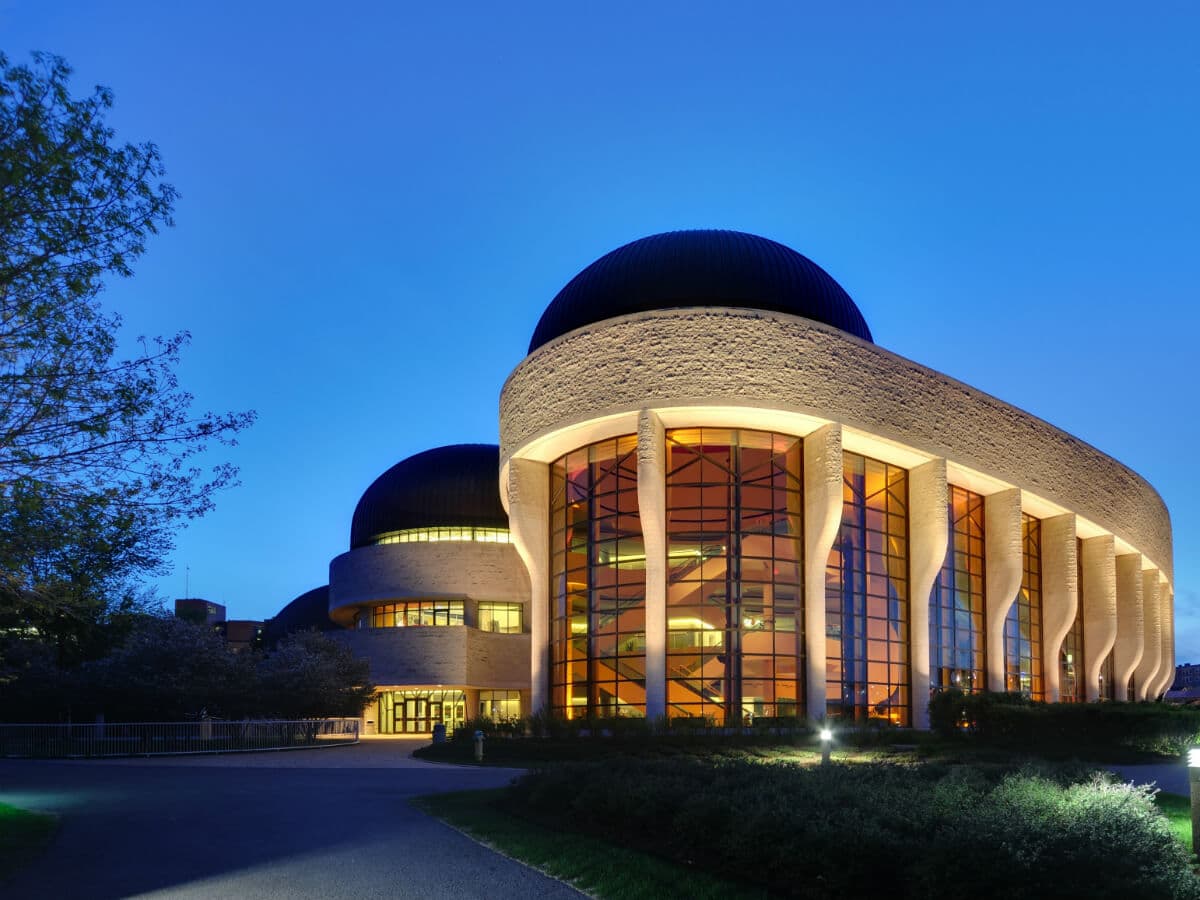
454 486
699 268
309 611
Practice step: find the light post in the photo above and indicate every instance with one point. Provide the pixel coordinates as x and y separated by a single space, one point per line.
827 746
1194 784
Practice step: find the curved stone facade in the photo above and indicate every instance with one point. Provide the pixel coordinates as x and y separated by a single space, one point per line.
647 373
387 573
429 657
735 359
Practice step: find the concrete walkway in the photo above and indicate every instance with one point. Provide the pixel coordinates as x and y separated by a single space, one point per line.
328 823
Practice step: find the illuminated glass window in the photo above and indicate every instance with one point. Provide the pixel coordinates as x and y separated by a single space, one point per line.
500 705
445 533
418 613
734 573
1023 624
956 604
598 583
866 596
417 712
1070 658
502 618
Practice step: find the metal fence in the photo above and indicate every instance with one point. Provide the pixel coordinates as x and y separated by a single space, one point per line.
164 738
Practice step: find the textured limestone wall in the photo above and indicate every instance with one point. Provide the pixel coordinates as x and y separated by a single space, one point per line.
1060 595
391 572
822 515
1099 564
497 660
928 543
713 356
452 656
1003 567
1145 679
527 498
1130 644
1166 607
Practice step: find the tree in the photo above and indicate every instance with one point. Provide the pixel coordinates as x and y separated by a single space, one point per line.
97 451
168 670
309 675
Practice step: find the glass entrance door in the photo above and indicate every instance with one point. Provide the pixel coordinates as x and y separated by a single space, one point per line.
416 712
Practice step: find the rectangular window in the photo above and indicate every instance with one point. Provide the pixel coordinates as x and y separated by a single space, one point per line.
500 705
501 618
418 613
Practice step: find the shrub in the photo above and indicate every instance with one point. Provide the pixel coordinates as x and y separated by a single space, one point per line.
1096 730
848 831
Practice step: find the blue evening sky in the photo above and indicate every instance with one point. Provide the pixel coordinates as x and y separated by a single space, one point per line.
378 200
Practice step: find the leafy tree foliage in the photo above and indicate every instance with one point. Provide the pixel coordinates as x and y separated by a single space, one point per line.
309 674
167 670
171 670
97 450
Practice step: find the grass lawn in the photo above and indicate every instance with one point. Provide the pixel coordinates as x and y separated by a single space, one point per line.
1178 810
22 834
592 866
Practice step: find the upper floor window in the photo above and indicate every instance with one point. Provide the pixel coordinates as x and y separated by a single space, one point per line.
502 618
443 533
416 613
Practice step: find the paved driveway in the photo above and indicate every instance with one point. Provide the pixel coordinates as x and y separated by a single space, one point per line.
307 823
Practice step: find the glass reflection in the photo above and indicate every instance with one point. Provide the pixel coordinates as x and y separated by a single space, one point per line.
956 604
598 583
1023 624
734 563
866 596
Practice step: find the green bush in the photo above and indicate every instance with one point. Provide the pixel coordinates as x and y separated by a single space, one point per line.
1094 730
849 831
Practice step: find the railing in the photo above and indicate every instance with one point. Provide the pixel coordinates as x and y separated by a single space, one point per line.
167 738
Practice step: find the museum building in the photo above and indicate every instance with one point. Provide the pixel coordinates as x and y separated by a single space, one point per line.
722 499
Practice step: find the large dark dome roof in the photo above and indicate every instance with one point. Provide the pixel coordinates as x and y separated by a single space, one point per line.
699 268
456 485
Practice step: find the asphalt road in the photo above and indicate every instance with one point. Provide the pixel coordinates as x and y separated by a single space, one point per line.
321 823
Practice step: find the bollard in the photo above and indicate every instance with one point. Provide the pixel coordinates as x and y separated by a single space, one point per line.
826 745
1194 785
479 746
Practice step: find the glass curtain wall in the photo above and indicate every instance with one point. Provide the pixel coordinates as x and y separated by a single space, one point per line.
866 596
1023 624
598 583
735 542
956 629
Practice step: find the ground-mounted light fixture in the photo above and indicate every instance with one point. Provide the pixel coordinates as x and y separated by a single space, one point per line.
1194 784
826 735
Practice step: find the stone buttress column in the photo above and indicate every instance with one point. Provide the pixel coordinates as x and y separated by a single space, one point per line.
1060 596
1146 676
822 517
928 544
1003 569
1166 672
528 493
1099 562
652 510
1129 646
